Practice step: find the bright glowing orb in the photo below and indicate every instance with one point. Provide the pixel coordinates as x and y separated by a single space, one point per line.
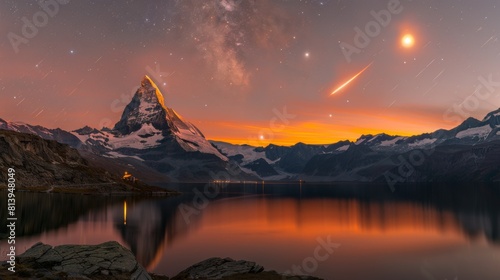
407 41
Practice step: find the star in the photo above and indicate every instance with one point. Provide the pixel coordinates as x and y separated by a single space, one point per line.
306 54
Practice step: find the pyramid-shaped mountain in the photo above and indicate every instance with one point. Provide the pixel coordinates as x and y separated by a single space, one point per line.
147 107
147 123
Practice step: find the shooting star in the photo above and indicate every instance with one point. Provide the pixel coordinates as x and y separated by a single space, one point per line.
20 101
39 63
39 113
422 71
98 59
73 91
438 75
487 41
351 79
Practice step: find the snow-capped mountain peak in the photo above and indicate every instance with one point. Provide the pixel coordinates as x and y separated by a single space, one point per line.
147 123
147 107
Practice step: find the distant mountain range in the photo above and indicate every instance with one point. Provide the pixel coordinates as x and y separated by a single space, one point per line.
468 152
154 140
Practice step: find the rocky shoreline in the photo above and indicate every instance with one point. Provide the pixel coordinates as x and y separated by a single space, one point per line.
111 260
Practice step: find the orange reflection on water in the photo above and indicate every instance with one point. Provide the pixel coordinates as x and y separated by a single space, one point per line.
318 215
279 232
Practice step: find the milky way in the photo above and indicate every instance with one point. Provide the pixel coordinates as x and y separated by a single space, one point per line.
223 32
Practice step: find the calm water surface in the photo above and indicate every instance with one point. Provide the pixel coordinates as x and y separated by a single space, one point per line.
416 232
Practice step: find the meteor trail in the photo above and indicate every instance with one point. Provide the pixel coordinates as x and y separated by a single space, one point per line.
351 79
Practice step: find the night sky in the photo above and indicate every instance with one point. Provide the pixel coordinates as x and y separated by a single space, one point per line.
254 71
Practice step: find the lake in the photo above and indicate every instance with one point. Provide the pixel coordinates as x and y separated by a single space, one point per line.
338 231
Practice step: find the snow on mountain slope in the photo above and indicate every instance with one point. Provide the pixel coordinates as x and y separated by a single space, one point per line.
253 160
56 134
422 142
359 141
248 152
146 137
480 132
82 137
189 136
118 155
19 127
343 148
373 138
389 143
26 128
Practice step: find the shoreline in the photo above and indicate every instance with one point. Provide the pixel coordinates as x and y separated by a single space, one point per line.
117 190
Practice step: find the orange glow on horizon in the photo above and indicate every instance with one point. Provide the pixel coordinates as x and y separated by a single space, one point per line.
323 131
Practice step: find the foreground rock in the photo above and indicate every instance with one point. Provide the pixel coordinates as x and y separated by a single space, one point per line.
217 268
111 260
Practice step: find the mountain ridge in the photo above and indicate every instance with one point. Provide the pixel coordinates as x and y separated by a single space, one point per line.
151 134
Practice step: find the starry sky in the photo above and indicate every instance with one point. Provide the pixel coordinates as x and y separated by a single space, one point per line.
254 72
